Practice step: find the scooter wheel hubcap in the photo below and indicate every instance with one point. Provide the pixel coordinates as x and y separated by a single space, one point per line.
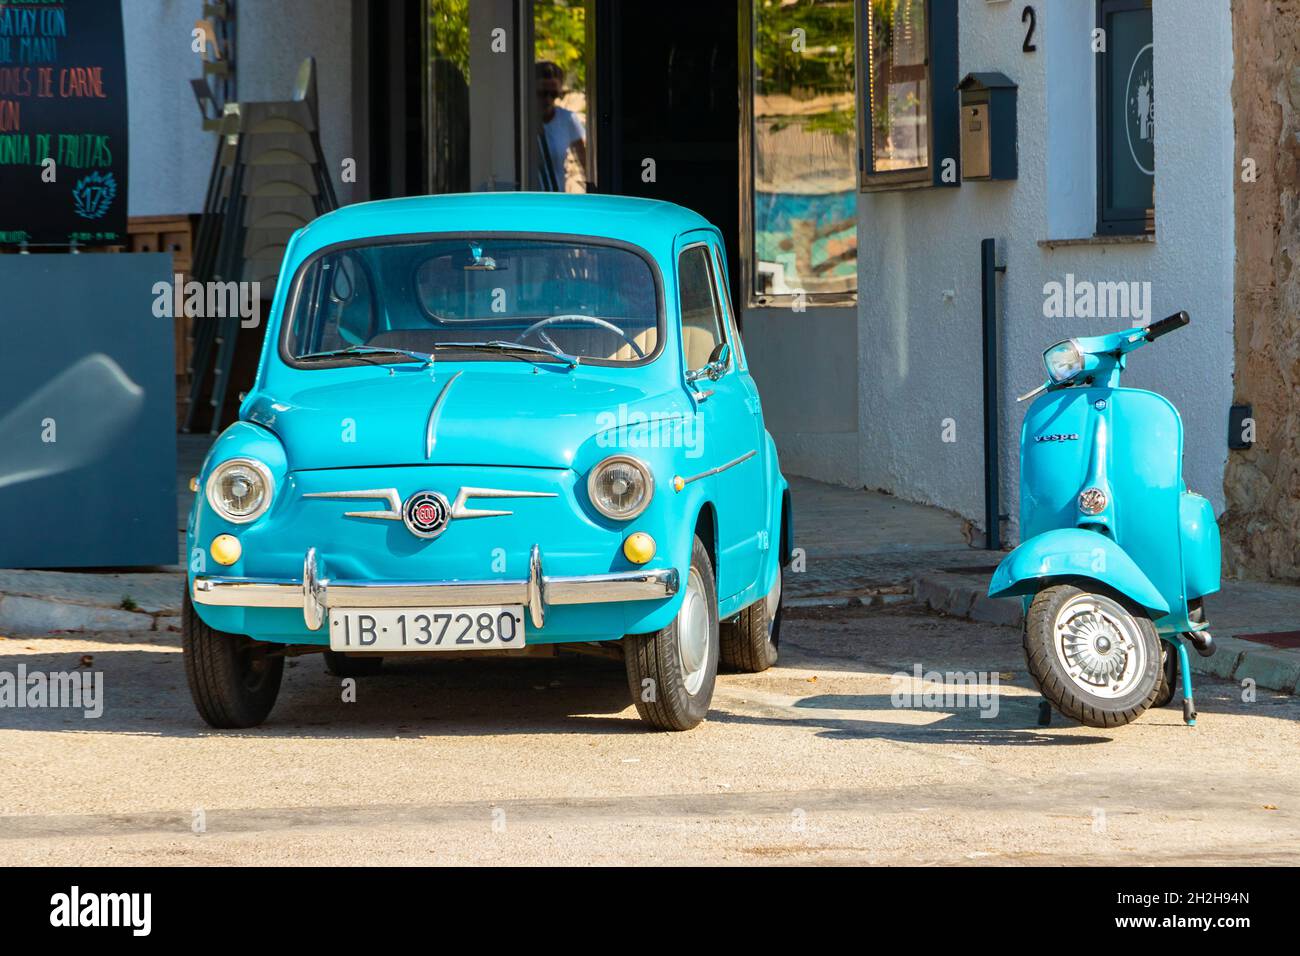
1100 645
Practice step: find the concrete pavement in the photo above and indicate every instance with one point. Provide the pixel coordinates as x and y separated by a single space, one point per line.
544 762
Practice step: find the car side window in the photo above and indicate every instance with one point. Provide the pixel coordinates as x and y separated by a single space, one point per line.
733 330
701 315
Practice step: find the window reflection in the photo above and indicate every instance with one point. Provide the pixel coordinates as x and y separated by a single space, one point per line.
448 93
560 80
899 85
804 148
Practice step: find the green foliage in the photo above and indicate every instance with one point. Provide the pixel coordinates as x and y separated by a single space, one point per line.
560 35
817 63
824 65
449 32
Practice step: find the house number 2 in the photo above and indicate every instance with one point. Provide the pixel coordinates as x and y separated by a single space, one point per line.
1028 16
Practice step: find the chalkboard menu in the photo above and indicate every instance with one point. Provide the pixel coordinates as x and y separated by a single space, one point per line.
63 158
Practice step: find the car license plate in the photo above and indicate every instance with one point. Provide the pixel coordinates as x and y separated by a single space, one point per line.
391 629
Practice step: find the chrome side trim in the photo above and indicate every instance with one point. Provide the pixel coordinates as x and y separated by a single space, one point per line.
459 509
388 495
680 483
431 429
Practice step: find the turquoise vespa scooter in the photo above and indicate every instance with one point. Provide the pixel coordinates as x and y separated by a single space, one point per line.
1117 554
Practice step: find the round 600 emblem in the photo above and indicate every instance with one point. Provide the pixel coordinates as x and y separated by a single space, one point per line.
426 513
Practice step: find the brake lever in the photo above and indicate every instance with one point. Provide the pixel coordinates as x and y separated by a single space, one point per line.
1028 395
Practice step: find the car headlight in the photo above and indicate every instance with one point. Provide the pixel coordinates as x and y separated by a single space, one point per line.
620 487
240 489
1063 361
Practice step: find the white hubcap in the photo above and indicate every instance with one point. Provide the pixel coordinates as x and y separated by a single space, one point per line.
693 633
1100 645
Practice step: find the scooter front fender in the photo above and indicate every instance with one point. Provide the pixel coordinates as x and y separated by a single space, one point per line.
1074 553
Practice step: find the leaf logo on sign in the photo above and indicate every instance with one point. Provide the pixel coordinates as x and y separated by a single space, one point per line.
93 194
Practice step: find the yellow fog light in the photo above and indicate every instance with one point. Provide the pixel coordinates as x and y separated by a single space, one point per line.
225 549
639 547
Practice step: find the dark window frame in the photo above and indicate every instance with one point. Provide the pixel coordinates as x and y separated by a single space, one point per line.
943 126
1115 221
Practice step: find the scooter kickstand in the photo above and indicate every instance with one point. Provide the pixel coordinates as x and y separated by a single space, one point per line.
1189 703
1044 714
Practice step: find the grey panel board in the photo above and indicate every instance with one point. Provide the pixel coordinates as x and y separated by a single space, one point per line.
84 362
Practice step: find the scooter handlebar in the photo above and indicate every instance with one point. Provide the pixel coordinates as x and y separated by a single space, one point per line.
1165 326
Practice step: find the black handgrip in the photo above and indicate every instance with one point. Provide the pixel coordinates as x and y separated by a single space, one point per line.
1165 326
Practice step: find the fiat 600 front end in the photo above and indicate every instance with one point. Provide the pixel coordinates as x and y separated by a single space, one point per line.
486 423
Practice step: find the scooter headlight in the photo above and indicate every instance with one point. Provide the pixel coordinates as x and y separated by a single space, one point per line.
1063 361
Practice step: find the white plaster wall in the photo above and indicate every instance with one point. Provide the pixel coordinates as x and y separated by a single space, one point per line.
919 354
806 368
170 154
275 36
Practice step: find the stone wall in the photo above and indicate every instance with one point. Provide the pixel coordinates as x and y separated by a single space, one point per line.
1261 527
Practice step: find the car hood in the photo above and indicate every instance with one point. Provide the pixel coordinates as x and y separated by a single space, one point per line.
490 414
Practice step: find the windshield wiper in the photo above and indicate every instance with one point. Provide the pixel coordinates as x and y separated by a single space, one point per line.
501 345
426 357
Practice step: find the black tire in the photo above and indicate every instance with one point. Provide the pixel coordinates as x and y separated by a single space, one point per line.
341 665
1168 675
233 679
653 661
1056 684
751 643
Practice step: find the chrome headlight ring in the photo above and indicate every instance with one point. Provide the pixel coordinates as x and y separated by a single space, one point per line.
1064 360
259 470
638 467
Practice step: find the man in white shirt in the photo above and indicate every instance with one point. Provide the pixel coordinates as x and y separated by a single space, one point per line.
561 130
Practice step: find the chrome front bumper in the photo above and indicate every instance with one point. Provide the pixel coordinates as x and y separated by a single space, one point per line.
315 595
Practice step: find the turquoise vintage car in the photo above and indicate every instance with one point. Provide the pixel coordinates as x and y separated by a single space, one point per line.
489 423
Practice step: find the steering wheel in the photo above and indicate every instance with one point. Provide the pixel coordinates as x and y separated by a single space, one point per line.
541 325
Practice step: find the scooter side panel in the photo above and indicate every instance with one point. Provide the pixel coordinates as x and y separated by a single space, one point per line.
1201 554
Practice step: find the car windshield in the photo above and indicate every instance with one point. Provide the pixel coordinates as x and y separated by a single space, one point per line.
558 300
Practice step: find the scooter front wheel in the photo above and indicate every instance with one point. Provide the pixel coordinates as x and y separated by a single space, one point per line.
1094 655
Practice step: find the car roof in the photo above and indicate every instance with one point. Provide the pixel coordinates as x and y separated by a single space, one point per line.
642 222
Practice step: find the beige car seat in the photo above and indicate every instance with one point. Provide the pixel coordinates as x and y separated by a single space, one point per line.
698 344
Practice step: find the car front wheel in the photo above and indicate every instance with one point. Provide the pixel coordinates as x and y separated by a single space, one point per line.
671 672
233 679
